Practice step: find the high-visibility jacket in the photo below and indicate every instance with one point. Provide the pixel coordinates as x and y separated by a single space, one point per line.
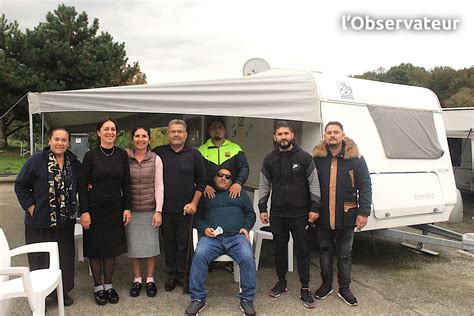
229 155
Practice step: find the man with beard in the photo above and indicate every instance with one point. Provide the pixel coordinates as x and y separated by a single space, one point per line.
290 173
346 196
219 152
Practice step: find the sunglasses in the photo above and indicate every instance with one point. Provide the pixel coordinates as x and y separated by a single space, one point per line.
227 176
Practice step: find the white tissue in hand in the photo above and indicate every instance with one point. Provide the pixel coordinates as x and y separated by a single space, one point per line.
218 231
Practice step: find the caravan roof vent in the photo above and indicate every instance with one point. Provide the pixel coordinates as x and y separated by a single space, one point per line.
254 66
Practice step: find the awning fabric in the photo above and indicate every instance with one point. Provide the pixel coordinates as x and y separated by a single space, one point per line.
459 122
274 94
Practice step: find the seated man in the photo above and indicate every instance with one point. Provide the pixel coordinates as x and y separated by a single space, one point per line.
236 217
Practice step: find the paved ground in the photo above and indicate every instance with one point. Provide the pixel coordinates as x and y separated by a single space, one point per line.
388 280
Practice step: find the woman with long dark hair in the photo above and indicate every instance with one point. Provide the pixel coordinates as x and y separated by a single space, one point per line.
104 196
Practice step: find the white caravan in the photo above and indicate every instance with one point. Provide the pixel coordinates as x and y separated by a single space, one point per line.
399 129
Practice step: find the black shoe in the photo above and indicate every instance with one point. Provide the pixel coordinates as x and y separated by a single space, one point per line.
184 285
195 307
135 289
212 266
347 296
278 289
170 284
186 290
112 296
307 298
229 266
247 308
179 281
323 291
100 297
68 301
151 289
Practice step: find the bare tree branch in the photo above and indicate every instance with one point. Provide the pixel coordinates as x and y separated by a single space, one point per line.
10 120
16 129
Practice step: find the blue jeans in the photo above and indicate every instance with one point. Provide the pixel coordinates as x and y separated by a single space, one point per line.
208 249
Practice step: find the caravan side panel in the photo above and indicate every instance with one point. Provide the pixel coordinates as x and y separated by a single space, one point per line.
405 191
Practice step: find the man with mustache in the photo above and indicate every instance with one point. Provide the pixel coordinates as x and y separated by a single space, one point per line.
346 193
289 173
184 179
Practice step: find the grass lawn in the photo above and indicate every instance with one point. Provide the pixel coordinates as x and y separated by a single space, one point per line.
11 162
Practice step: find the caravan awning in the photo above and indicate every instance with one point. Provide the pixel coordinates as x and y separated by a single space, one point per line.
458 122
274 94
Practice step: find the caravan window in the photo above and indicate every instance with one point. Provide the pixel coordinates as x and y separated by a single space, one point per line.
407 134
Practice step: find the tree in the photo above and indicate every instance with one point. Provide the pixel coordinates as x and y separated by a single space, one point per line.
454 88
15 78
463 98
441 80
65 52
403 74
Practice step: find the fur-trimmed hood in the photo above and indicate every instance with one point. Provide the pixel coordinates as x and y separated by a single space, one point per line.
349 148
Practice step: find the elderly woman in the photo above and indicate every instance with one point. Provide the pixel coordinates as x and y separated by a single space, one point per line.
146 175
104 196
46 189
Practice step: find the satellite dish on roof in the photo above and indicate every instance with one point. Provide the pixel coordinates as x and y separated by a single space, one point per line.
254 66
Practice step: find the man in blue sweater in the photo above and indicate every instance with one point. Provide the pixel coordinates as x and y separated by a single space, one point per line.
236 217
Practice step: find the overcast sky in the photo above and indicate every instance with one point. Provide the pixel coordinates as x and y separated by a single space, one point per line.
178 40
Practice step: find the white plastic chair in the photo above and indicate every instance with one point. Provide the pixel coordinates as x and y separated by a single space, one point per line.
79 239
224 258
262 231
35 285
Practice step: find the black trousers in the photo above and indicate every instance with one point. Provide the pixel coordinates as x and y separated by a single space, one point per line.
281 228
64 236
176 230
337 241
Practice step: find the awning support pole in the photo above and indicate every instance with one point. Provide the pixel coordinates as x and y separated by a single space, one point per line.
42 130
32 145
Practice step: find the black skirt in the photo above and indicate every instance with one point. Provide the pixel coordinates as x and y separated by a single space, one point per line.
64 236
105 237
